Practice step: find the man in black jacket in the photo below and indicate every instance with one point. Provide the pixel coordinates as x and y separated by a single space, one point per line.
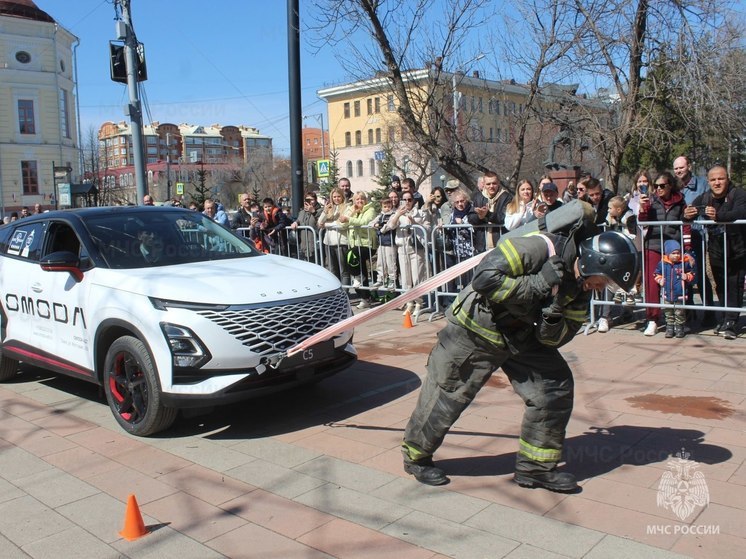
488 212
724 202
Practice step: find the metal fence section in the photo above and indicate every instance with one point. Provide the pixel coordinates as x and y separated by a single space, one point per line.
379 273
706 284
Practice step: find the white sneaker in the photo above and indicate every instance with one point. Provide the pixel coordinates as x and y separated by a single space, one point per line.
603 325
363 304
356 283
409 308
376 285
651 329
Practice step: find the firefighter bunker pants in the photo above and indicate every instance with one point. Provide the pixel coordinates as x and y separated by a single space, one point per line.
461 363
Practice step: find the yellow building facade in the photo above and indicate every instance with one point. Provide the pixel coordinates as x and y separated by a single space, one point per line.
364 123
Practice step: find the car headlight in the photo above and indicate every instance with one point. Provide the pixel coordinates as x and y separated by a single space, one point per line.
187 351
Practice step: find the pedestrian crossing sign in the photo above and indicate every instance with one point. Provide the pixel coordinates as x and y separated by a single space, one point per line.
180 188
322 168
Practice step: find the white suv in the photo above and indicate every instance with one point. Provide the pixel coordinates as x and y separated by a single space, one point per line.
164 308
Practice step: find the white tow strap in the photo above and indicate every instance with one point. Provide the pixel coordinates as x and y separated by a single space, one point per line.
426 286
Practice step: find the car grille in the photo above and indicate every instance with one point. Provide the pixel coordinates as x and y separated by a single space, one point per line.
269 329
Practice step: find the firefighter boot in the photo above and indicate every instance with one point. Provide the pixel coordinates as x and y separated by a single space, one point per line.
426 472
553 480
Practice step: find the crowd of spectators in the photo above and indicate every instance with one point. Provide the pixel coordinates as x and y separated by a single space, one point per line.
393 242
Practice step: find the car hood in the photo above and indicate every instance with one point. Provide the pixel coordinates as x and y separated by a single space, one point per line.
238 281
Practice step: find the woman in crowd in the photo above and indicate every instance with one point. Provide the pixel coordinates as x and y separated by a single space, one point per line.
434 203
520 209
570 193
335 235
410 246
307 217
363 244
665 203
641 185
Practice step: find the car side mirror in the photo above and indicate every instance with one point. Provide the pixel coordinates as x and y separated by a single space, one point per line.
63 261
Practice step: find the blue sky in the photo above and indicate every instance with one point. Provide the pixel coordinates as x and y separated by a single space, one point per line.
222 61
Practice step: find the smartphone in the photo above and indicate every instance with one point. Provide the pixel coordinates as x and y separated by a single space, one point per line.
541 207
643 189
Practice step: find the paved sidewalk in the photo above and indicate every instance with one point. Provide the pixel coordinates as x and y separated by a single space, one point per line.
317 472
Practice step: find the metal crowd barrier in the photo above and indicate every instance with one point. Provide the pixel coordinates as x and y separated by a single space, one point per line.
435 247
704 277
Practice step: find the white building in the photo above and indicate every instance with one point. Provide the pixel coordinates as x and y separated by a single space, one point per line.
38 116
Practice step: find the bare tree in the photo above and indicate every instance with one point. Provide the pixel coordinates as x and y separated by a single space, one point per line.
621 43
406 37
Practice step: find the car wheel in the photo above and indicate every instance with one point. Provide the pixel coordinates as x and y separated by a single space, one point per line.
132 390
8 368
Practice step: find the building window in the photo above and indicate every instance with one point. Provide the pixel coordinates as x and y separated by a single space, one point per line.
64 114
359 168
392 134
390 103
349 169
347 110
372 167
357 108
26 116
30 177
480 105
358 137
377 103
369 103
378 135
348 139
370 135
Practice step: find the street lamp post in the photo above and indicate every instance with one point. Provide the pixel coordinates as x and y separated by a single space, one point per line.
168 166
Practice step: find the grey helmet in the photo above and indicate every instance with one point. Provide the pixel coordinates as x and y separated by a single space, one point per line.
612 255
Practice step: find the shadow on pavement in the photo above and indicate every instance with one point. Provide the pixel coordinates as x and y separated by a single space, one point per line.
362 387
602 450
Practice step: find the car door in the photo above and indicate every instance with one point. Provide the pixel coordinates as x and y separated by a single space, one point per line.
65 296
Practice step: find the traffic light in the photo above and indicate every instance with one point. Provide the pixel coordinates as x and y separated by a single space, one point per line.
118 63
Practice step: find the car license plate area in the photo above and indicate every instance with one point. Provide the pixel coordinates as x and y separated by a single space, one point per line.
315 354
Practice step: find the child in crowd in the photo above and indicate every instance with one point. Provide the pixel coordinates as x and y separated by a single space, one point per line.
619 218
672 274
386 262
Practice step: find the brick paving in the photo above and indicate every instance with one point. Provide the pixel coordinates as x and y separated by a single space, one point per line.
317 472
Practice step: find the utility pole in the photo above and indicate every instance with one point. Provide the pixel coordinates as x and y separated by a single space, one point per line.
134 109
296 143
168 166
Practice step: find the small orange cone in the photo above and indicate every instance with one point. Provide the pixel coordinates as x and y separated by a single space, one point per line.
134 527
408 320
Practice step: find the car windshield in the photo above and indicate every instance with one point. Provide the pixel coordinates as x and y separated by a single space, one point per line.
153 237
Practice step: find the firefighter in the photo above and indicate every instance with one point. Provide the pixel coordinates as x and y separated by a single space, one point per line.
528 298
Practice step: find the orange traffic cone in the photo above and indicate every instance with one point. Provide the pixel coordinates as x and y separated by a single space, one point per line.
408 320
134 527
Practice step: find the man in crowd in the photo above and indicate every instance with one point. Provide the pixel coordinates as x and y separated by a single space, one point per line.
408 186
692 186
242 219
724 202
346 186
599 198
522 305
488 208
549 199
211 210
147 200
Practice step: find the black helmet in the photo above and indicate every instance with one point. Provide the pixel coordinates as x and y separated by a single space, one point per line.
612 255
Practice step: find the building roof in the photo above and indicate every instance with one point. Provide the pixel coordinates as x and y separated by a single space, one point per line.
25 9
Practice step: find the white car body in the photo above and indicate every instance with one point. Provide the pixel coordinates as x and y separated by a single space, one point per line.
242 310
